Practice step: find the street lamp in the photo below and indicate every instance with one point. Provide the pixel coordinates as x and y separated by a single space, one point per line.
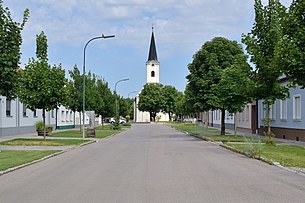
128 98
84 71
116 103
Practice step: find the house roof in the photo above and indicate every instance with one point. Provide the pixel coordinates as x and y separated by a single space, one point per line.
152 56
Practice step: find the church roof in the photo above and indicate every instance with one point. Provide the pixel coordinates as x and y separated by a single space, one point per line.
152 56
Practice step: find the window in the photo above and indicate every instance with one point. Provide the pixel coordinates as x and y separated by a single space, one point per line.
152 73
67 116
8 107
297 107
35 113
264 111
63 116
247 113
273 111
52 113
24 111
283 109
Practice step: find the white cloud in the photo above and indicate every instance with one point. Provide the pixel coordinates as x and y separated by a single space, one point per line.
180 25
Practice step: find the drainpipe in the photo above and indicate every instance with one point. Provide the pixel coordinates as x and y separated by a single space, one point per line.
56 118
1 114
257 119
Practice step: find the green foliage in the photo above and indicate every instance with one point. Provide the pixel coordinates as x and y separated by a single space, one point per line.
262 44
42 47
290 51
169 94
269 135
39 125
150 99
10 42
219 78
42 86
74 90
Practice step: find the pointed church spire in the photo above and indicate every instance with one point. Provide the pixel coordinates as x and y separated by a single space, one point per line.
152 56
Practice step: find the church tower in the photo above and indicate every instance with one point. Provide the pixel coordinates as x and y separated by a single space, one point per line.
152 64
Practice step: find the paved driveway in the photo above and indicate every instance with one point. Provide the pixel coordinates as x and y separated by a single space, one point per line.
151 163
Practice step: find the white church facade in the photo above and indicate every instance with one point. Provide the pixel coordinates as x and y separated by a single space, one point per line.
152 77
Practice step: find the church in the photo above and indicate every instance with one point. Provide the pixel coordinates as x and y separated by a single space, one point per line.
152 76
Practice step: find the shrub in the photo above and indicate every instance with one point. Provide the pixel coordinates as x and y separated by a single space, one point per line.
127 118
39 126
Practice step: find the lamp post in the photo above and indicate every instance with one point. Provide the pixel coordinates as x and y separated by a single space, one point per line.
128 98
116 103
84 72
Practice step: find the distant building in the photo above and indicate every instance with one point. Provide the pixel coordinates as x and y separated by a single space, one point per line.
152 77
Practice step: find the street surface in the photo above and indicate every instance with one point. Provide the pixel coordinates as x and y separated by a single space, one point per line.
151 163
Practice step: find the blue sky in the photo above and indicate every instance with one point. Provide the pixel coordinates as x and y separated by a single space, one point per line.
180 27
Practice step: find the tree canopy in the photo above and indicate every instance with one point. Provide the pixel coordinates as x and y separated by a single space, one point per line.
291 49
42 86
10 42
150 99
211 77
261 43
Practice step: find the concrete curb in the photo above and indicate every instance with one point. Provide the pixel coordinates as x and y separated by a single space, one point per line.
240 152
44 158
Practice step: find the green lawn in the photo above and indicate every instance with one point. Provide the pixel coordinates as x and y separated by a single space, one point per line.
10 158
290 156
42 142
212 134
99 133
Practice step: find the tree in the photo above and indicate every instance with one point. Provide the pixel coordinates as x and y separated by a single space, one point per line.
182 108
206 71
107 108
261 45
42 86
74 99
291 49
150 99
169 94
10 42
234 90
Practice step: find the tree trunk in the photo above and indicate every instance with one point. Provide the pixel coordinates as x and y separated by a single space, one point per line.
268 122
44 123
223 127
80 122
207 119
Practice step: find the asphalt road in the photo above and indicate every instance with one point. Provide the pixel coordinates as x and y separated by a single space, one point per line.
151 163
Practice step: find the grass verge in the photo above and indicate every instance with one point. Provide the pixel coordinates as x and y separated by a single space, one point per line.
289 156
42 142
11 158
99 133
212 134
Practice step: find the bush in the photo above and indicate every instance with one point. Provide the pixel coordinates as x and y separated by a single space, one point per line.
127 118
39 126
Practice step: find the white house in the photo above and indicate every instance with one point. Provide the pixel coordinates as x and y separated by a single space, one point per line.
16 119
